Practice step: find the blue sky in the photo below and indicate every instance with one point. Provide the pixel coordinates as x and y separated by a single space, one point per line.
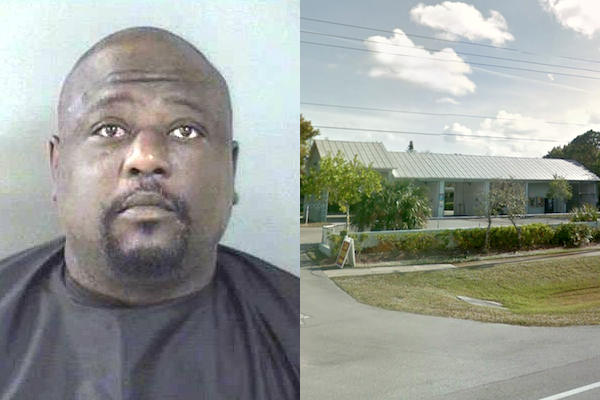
439 77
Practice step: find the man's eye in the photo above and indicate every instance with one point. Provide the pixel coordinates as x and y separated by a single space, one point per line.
110 131
185 132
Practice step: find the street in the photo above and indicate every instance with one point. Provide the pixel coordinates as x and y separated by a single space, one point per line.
354 351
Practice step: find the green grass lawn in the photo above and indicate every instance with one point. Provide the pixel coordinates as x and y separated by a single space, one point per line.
551 292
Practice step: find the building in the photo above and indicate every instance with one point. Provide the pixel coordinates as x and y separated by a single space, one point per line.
466 178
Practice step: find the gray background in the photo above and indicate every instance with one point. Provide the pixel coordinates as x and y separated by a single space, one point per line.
253 43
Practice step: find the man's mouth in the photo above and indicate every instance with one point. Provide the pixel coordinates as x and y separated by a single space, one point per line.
146 202
146 206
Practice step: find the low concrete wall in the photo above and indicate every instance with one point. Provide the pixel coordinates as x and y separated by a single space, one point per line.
372 237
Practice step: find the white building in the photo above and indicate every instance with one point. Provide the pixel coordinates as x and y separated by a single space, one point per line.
467 177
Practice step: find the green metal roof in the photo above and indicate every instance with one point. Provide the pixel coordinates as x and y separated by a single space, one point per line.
435 166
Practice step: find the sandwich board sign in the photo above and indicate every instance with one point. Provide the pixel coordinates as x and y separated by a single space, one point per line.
346 250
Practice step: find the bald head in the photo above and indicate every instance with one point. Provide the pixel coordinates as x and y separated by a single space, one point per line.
141 54
143 165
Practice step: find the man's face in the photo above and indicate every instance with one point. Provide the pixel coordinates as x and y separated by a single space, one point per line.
144 169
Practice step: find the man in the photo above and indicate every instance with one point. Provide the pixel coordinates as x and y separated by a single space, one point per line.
138 300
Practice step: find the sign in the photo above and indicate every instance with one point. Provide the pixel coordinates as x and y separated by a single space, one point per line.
346 249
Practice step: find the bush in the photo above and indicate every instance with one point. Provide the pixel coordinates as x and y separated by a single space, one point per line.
359 241
572 235
536 236
335 242
413 244
398 206
469 240
472 241
596 235
423 243
504 238
587 212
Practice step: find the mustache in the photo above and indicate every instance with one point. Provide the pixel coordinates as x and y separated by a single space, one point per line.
160 197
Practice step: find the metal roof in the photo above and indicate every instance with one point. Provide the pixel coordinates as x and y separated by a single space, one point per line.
432 166
369 153
468 167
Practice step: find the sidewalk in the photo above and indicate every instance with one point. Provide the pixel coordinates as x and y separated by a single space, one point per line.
533 256
333 273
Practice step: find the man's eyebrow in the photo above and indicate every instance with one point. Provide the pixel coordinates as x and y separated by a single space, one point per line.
110 100
185 102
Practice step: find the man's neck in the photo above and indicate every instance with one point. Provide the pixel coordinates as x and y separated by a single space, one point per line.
91 271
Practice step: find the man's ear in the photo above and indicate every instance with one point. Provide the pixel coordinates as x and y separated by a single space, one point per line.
235 147
53 154
234 157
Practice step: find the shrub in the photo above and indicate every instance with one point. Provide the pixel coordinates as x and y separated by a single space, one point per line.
335 242
535 236
359 241
413 244
572 235
399 205
418 243
504 238
385 244
596 235
469 240
587 212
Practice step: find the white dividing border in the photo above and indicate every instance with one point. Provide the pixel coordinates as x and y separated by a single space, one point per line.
573 391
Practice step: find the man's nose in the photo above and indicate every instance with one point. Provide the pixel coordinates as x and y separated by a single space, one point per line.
147 156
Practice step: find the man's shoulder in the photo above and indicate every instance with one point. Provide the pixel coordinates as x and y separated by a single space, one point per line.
257 277
27 263
268 297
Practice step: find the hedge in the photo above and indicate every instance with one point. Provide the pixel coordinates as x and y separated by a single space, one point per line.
472 241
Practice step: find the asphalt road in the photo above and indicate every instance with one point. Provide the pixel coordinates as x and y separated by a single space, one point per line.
354 351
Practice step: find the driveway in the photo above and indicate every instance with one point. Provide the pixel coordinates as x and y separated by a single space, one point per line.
354 351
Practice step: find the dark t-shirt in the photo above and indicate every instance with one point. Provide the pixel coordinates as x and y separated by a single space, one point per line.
238 338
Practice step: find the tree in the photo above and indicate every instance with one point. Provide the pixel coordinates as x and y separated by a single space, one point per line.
559 189
489 207
510 197
399 205
307 132
504 197
346 182
584 148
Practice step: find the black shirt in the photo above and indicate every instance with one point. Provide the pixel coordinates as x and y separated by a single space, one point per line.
238 338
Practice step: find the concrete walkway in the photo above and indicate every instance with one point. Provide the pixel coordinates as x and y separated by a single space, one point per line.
536 256
333 273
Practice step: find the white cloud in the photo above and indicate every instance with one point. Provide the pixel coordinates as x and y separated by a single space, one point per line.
421 67
458 128
511 124
447 100
550 76
582 16
587 116
508 125
456 19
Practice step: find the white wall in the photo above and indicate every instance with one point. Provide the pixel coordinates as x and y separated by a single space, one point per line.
255 45
537 189
467 197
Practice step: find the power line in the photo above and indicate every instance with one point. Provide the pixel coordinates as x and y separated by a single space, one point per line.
434 114
455 61
407 34
436 134
444 40
457 52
